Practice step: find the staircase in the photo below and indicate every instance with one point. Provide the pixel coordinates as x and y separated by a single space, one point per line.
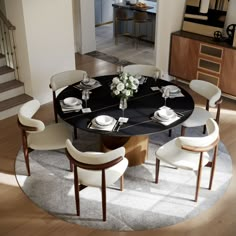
12 93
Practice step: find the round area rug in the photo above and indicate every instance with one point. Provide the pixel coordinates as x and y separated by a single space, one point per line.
142 205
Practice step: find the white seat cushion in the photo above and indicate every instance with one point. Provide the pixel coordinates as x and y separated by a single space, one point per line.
172 153
94 178
54 136
197 118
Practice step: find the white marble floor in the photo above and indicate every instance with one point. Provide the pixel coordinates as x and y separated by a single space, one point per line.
125 49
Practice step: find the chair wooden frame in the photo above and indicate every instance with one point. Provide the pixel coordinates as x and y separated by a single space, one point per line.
26 149
102 168
54 97
200 150
217 119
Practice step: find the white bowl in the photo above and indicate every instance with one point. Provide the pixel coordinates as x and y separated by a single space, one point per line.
90 82
71 101
104 120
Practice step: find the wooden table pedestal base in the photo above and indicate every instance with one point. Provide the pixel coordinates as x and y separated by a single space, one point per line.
136 147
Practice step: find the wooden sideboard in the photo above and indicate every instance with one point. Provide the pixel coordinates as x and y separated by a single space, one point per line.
194 56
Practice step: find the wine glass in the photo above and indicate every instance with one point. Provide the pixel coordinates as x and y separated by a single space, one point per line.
166 94
85 96
156 76
123 105
86 79
120 69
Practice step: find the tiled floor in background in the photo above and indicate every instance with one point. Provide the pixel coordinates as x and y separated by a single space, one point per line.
124 51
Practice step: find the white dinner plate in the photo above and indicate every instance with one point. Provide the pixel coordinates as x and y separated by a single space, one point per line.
72 101
104 120
173 88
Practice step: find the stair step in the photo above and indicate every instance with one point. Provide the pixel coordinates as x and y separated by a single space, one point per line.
10 85
6 74
11 106
11 89
5 70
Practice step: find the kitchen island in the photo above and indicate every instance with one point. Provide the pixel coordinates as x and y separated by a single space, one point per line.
143 29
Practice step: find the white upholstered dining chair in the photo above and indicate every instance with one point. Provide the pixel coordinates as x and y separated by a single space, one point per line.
62 80
145 70
96 169
191 153
212 94
37 136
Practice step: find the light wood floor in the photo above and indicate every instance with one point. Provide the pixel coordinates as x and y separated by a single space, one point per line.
124 49
20 216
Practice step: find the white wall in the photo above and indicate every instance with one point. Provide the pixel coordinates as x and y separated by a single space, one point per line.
169 19
84 23
45 42
231 13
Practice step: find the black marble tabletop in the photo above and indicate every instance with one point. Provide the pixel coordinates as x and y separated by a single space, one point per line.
141 108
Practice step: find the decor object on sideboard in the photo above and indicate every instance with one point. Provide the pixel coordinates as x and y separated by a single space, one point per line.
230 30
205 16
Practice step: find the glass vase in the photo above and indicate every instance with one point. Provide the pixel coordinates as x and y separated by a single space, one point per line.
123 105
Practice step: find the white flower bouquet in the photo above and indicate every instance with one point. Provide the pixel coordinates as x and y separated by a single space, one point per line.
124 86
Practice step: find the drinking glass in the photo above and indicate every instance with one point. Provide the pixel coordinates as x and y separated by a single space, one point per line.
85 96
123 105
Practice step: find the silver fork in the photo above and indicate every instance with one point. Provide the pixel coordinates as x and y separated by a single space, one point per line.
119 125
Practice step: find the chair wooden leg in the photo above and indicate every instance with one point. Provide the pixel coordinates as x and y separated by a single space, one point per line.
26 155
26 151
77 189
157 170
204 129
198 177
182 130
54 106
71 166
75 133
122 183
104 196
213 167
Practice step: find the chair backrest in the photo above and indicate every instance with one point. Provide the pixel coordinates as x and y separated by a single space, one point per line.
207 142
121 14
92 160
146 70
140 16
206 89
66 78
26 113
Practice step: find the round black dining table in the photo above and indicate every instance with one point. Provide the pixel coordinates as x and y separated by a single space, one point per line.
140 110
